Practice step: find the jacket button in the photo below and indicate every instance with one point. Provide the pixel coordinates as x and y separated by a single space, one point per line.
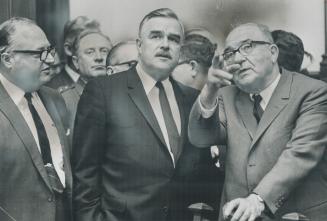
50 199
165 209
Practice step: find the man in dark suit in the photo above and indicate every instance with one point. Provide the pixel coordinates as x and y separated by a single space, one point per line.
130 130
198 179
35 173
89 50
274 126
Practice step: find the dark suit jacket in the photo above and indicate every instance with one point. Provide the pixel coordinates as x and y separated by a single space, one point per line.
25 191
60 80
196 179
284 158
122 167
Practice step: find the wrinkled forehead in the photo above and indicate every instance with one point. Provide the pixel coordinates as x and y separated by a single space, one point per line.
29 37
94 40
243 33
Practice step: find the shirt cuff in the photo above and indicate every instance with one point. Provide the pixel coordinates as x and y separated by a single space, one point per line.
207 113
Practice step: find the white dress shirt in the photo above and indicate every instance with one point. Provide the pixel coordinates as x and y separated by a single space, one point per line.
265 94
152 93
17 95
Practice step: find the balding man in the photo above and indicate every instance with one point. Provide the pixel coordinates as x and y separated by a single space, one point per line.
35 173
122 57
274 126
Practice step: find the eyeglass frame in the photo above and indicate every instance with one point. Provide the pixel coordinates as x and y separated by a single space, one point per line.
249 42
130 63
48 51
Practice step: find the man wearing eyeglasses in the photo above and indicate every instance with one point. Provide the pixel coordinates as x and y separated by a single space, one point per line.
122 57
35 173
274 127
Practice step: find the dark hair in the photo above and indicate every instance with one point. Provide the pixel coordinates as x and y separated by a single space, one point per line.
199 48
8 28
161 12
74 27
291 50
83 34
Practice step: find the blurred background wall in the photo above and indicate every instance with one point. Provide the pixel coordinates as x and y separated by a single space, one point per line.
120 18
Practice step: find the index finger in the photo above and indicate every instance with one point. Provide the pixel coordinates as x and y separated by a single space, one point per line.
217 62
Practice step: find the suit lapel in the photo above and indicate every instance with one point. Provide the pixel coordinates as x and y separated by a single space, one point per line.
55 116
277 102
181 106
8 107
137 94
245 108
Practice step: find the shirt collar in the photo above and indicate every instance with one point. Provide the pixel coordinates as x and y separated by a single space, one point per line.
147 81
14 92
72 74
268 91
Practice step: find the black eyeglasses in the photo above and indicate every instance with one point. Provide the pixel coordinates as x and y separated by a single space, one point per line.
244 49
44 53
129 64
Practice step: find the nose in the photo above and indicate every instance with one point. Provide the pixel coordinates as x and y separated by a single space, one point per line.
50 59
98 56
165 43
239 58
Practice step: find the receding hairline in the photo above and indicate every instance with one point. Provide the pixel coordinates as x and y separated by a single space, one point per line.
160 13
116 47
82 35
264 30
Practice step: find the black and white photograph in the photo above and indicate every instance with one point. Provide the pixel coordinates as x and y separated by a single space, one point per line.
163 110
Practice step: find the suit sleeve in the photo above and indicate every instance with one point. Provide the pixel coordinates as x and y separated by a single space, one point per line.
88 146
302 153
204 132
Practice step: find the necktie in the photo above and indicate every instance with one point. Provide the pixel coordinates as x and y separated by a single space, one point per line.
169 120
257 109
45 147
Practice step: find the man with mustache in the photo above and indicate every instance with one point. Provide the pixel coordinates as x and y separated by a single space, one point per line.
36 180
89 50
130 130
274 124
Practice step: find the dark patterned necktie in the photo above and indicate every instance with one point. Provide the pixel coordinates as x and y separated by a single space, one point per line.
45 147
169 120
257 109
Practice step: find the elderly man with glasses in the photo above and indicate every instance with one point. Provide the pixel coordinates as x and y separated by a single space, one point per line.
274 126
35 173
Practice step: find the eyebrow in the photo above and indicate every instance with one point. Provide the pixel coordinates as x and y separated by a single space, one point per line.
161 32
43 47
231 48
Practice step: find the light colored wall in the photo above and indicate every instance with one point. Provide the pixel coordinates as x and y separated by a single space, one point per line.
305 18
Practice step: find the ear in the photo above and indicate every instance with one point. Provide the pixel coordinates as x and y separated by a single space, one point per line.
274 52
138 44
68 49
194 67
6 60
75 62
